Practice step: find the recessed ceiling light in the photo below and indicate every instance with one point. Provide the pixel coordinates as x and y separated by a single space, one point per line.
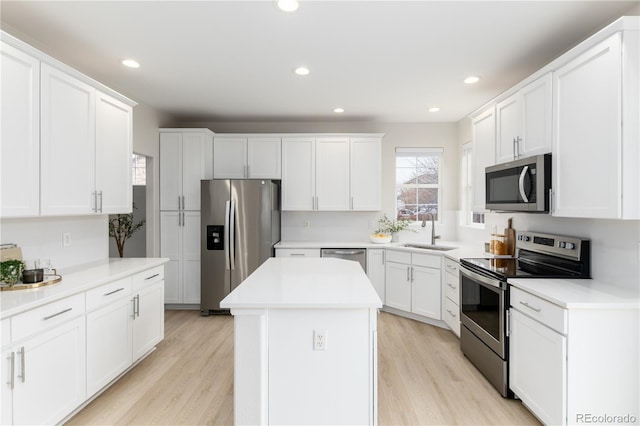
338 110
288 5
434 109
130 63
302 71
471 80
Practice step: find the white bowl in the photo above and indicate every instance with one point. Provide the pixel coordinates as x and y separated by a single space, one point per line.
380 240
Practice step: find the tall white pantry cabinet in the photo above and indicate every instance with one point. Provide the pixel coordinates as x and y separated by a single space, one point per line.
186 157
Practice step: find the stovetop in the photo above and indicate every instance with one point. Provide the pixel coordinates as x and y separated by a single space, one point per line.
538 256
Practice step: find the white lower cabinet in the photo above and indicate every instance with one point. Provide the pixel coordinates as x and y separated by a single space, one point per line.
412 283
43 376
148 321
301 252
451 305
376 271
567 364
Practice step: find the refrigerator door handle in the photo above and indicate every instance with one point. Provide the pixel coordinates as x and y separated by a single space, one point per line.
226 236
232 242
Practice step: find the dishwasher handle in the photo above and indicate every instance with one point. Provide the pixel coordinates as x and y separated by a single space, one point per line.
344 252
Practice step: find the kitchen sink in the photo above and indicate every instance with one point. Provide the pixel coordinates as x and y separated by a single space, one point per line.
429 247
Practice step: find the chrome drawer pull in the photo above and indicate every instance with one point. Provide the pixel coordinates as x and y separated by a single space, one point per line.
152 276
530 307
22 375
297 254
451 313
452 286
55 315
114 291
13 368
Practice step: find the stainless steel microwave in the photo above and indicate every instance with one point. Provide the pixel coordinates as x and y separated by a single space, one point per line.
522 185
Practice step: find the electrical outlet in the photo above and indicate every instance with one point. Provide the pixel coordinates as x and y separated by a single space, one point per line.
319 340
66 239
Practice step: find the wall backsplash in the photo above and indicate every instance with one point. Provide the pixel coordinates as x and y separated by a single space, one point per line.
41 238
615 244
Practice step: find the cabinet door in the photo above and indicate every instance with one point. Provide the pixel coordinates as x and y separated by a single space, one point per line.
148 325
193 169
298 174
536 100
366 173
20 133
191 257
332 174
113 154
587 115
171 247
426 298
108 343
54 379
375 270
229 158
170 171
538 368
67 144
484 131
508 128
398 286
263 158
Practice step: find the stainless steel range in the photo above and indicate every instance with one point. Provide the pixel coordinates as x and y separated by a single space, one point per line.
485 296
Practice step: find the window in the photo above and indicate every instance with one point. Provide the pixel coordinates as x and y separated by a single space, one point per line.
469 217
417 183
139 174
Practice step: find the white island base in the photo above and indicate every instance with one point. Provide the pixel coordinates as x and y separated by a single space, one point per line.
305 344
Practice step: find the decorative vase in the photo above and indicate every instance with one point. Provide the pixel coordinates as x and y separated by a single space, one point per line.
394 237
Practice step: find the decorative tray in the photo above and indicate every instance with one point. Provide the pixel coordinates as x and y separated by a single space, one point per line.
48 280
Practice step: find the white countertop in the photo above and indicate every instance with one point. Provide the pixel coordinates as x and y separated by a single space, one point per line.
74 281
579 293
463 249
312 283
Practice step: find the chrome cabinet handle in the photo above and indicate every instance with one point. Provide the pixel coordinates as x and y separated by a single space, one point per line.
183 204
100 195
408 273
412 274
22 367
137 307
451 313
179 203
384 256
56 314
452 286
351 203
13 368
95 202
114 291
297 254
152 276
133 301
530 307
514 148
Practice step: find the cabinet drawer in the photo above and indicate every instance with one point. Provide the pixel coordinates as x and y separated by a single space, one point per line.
107 293
144 278
541 310
398 256
451 316
451 287
451 266
41 318
302 252
427 260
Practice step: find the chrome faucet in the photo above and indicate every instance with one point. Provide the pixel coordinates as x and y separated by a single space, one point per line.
433 227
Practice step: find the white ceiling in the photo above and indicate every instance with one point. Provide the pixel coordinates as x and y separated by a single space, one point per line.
379 60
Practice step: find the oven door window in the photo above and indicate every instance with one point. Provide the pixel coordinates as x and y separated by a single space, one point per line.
482 305
504 186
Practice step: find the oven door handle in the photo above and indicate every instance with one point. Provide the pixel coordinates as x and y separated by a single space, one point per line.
481 278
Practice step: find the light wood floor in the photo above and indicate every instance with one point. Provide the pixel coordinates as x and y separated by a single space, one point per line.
423 379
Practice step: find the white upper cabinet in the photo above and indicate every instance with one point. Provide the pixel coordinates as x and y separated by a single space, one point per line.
20 133
67 144
331 173
114 125
484 142
298 173
523 121
595 158
366 173
185 159
246 157
68 138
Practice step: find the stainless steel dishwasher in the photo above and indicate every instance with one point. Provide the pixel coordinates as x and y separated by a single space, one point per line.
354 254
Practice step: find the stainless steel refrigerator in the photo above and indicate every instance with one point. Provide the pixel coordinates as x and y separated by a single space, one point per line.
240 224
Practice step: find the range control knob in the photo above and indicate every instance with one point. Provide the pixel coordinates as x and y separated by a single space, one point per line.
570 246
561 244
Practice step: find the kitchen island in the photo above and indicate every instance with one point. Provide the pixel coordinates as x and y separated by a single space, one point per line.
305 343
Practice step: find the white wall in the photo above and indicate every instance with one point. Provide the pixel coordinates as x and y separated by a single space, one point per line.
350 226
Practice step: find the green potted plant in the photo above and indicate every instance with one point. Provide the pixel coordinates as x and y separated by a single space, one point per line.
11 271
391 227
122 227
